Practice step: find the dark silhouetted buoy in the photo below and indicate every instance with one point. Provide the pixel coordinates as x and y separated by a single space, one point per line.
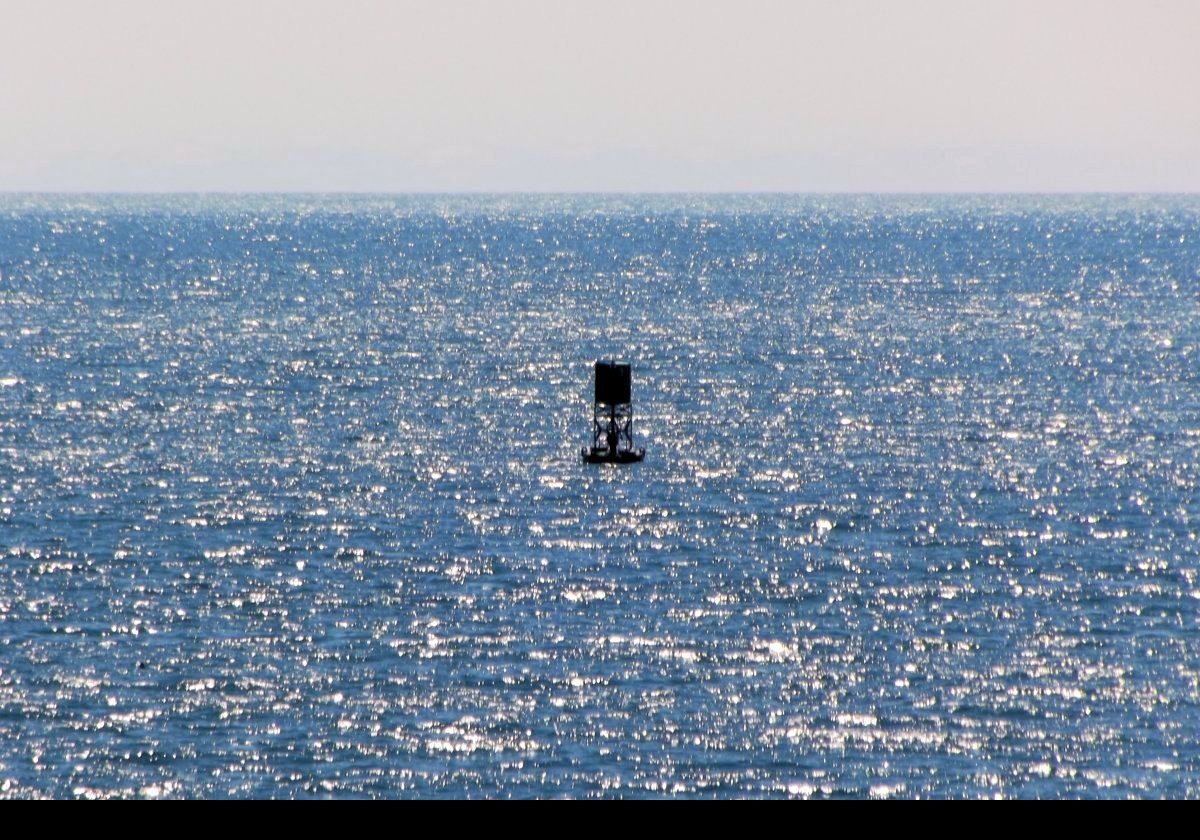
612 417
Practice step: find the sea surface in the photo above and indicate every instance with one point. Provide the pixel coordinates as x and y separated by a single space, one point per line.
291 501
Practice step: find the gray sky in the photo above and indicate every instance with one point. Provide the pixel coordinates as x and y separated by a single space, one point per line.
647 95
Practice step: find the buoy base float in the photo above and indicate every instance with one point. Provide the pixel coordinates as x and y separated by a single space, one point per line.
621 456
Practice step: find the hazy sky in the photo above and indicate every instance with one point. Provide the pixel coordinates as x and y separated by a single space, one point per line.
449 95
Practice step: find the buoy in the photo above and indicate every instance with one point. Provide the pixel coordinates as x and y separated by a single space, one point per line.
612 416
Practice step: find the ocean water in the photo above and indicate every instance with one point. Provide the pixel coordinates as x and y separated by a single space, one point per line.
291 502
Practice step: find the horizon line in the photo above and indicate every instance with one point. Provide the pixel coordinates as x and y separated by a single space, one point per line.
542 192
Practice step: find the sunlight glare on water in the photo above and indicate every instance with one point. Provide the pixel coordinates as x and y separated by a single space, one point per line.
291 501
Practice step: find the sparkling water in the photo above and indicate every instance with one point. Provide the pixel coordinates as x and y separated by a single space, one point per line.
292 504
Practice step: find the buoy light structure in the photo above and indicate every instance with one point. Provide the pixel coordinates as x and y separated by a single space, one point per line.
612 416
